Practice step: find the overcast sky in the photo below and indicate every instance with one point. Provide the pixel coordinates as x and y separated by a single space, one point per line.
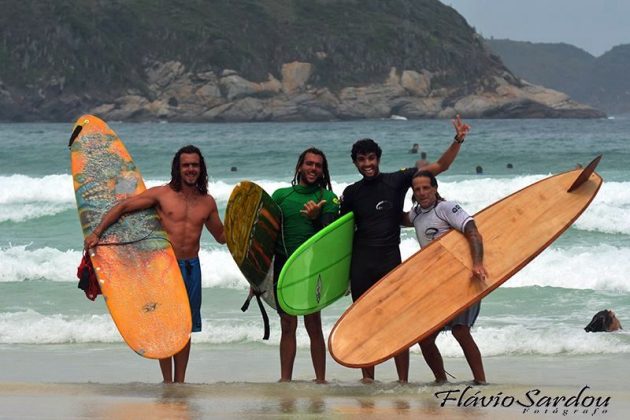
593 25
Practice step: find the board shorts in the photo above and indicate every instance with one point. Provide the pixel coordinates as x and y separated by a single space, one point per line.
278 263
191 272
369 265
467 318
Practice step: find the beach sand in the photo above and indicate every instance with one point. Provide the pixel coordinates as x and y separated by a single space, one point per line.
238 381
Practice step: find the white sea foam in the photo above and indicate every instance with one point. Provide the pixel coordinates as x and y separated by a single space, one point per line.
24 198
30 327
544 340
21 263
24 263
602 267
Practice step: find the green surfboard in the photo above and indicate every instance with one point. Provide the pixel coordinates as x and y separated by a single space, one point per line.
318 272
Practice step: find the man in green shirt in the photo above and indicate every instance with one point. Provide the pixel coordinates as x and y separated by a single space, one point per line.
307 206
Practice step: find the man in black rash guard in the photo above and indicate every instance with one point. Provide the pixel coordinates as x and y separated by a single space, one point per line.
377 202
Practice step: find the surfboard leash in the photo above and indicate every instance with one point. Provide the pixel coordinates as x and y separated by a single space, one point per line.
263 312
144 238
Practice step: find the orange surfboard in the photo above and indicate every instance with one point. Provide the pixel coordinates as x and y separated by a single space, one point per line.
430 288
134 261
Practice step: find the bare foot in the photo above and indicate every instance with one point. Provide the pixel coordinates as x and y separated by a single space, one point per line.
403 382
320 381
283 380
477 382
439 382
367 380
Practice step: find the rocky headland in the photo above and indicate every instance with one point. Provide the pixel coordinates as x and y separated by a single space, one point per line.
280 60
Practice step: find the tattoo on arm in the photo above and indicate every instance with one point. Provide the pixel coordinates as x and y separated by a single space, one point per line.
475 241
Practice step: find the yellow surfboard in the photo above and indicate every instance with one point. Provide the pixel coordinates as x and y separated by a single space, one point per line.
252 225
430 288
134 261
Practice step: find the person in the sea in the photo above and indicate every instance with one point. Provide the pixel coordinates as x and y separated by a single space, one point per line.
432 217
377 202
422 161
414 148
185 207
604 321
307 206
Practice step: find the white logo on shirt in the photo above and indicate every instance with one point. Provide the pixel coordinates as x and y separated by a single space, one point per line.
384 205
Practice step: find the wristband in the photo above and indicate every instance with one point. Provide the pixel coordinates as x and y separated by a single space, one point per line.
458 139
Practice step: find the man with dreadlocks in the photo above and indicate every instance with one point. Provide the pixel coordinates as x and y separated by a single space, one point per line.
307 206
184 207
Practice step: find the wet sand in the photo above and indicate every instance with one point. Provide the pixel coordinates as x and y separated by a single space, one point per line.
109 381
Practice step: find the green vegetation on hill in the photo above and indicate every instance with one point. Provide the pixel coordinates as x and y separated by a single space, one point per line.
69 44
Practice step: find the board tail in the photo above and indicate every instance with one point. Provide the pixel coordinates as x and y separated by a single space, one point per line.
585 174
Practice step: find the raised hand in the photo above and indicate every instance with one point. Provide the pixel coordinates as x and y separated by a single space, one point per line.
461 128
312 210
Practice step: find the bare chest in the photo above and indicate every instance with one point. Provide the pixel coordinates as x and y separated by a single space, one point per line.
180 210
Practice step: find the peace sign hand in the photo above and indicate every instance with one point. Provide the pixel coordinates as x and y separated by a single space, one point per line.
461 128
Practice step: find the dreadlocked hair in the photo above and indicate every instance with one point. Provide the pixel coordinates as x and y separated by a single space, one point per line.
324 181
176 177
432 180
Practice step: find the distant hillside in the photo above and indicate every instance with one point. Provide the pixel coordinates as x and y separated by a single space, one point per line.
601 82
220 60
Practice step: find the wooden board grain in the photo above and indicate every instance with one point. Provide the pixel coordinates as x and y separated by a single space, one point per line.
252 224
140 279
422 294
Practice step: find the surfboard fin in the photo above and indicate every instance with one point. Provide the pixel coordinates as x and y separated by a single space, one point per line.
585 174
75 134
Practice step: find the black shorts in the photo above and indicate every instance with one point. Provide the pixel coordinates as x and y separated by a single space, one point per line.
369 265
278 263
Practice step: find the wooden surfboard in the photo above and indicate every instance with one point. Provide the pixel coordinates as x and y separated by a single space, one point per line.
252 225
134 261
430 288
318 272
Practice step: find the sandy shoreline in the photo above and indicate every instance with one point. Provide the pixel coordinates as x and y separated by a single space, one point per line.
109 381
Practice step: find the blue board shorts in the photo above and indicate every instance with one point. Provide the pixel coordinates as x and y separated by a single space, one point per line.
191 272
467 318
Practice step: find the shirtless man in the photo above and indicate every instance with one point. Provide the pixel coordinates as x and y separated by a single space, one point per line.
184 207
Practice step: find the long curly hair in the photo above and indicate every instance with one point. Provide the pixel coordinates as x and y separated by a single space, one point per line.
324 181
176 177
433 182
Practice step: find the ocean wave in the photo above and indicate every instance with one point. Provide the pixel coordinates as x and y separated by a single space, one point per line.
601 267
23 198
31 327
21 263
544 340
24 263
